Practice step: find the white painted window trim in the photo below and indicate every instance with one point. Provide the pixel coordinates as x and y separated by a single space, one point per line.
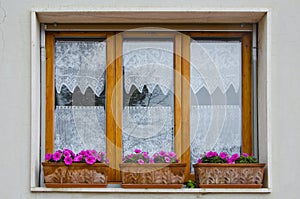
264 93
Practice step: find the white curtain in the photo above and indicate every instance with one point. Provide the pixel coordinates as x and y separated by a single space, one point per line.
80 64
215 65
147 128
80 127
148 63
217 127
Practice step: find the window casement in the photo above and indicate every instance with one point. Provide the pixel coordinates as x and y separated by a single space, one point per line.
141 89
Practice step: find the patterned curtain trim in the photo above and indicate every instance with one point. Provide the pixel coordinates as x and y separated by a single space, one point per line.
80 64
215 65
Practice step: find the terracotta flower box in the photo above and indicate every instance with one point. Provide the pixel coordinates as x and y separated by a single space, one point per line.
223 175
59 175
64 169
156 175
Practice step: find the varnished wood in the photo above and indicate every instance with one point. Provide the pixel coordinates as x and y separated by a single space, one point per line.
177 95
149 34
110 106
50 100
185 110
247 128
171 17
119 103
80 34
147 26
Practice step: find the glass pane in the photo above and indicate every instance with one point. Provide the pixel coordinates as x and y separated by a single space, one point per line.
80 95
215 97
148 97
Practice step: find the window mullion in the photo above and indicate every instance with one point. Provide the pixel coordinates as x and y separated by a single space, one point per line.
110 106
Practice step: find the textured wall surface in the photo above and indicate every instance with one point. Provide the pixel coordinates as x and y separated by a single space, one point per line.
15 74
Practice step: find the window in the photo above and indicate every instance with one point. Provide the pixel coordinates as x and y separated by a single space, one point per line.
188 92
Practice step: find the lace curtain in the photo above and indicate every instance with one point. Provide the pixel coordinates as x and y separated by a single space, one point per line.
215 65
147 128
215 127
80 127
148 63
80 64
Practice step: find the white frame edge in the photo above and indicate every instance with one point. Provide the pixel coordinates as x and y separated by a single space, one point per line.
35 100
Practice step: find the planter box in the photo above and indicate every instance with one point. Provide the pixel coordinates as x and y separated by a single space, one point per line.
214 175
158 175
59 175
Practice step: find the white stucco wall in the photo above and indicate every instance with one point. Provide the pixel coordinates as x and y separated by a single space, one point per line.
15 101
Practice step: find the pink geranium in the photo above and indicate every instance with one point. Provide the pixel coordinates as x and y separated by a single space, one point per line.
167 159
137 151
78 158
68 160
145 155
235 156
245 154
210 154
223 155
172 154
56 156
90 159
162 153
140 161
48 156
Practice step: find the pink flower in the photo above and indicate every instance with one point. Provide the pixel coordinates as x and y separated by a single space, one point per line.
235 156
106 161
223 155
145 155
245 154
78 158
102 153
140 161
56 156
99 158
129 156
94 152
48 156
155 155
167 159
172 154
229 160
215 154
83 153
151 161
67 153
90 159
68 160
137 150
199 161
162 153
210 154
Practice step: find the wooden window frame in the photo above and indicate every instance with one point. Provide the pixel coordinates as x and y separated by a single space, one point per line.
114 89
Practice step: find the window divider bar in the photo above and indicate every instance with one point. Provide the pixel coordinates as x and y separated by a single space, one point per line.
185 114
119 103
110 106
177 96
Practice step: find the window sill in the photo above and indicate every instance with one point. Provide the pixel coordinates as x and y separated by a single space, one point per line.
115 189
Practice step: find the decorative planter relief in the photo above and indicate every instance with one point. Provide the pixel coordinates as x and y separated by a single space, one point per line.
157 175
76 175
217 175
